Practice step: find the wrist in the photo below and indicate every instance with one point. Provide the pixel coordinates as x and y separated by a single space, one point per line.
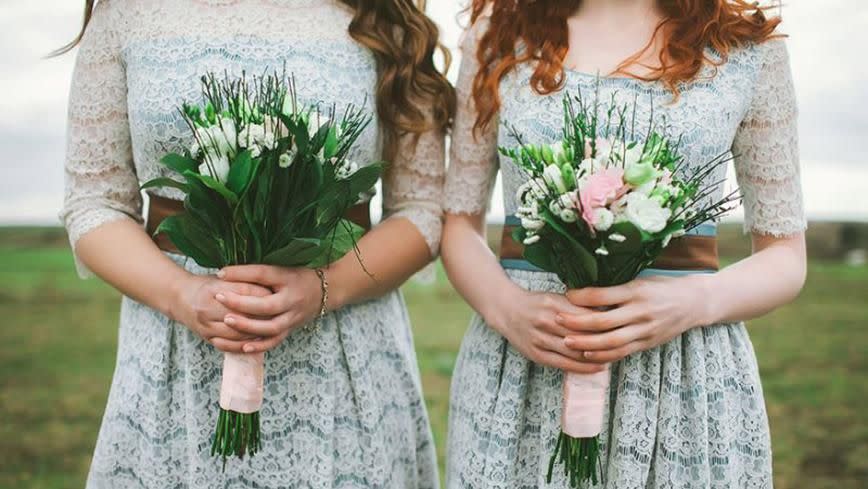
331 294
496 311
705 299
170 305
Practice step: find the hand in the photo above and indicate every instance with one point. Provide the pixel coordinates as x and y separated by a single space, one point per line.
195 305
527 321
296 300
635 316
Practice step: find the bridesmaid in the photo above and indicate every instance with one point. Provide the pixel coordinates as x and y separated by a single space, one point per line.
685 407
343 402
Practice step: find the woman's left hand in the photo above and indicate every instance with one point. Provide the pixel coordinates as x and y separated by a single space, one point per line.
297 300
635 316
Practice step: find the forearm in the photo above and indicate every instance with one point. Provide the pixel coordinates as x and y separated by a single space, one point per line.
388 255
472 267
772 276
122 254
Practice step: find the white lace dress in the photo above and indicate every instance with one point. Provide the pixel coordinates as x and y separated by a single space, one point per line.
686 414
343 405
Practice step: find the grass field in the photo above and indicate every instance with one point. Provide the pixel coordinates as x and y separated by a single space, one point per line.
58 339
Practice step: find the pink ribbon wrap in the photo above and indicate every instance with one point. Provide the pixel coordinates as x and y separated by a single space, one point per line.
243 376
584 403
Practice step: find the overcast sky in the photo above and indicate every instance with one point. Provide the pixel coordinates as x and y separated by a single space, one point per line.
827 45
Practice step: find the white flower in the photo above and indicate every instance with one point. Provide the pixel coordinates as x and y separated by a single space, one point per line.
532 224
230 133
617 237
251 135
604 149
553 177
568 215
216 167
602 251
285 160
646 188
531 239
605 219
346 170
646 213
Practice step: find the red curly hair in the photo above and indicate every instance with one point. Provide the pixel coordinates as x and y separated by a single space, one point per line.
689 28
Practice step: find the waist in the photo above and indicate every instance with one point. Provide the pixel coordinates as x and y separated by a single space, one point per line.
695 252
160 208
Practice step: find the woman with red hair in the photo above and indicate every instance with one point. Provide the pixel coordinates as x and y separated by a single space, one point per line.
685 406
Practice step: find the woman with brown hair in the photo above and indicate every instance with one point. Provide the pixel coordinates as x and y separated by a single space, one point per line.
343 403
685 406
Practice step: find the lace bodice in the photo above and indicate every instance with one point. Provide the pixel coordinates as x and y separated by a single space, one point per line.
746 106
140 59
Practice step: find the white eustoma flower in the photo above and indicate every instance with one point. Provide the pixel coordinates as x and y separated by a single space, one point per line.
605 219
284 161
646 213
532 224
216 167
230 132
346 169
632 156
555 180
251 135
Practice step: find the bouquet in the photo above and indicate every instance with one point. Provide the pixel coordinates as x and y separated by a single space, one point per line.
599 207
265 182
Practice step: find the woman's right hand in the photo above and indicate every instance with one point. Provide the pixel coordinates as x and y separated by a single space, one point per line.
528 321
194 305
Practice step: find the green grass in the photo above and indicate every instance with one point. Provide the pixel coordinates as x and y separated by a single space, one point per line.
58 340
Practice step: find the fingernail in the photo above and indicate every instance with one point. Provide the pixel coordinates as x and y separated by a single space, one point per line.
229 320
559 319
220 297
248 349
221 274
587 354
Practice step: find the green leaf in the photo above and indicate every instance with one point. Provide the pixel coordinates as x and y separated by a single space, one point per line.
161 182
298 253
179 163
192 239
364 179
540 255
330 146
339 243
240 172
213 184
630 246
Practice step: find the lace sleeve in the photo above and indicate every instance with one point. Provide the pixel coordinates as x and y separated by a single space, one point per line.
413 185
767 152
101 183
472 157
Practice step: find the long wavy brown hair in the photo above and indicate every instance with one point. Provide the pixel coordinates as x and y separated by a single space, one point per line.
412 95
689 28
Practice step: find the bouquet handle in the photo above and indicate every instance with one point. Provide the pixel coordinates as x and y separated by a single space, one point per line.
578 446
241 390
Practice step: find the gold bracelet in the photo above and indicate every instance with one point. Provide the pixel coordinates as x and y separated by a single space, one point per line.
324 284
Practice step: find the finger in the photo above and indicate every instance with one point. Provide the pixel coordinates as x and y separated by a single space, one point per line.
265 344
556 360
270 305
556 344
244 288
601 296
227 346
613 355
257 274
611 340
560 304
260 327
598 321
221 330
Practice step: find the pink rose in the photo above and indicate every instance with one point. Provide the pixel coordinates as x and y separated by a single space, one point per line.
599 190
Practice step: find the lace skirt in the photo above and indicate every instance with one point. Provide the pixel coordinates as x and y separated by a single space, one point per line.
343 407
687 414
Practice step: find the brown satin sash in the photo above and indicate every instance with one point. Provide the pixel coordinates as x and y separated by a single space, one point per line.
684 253
161 207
